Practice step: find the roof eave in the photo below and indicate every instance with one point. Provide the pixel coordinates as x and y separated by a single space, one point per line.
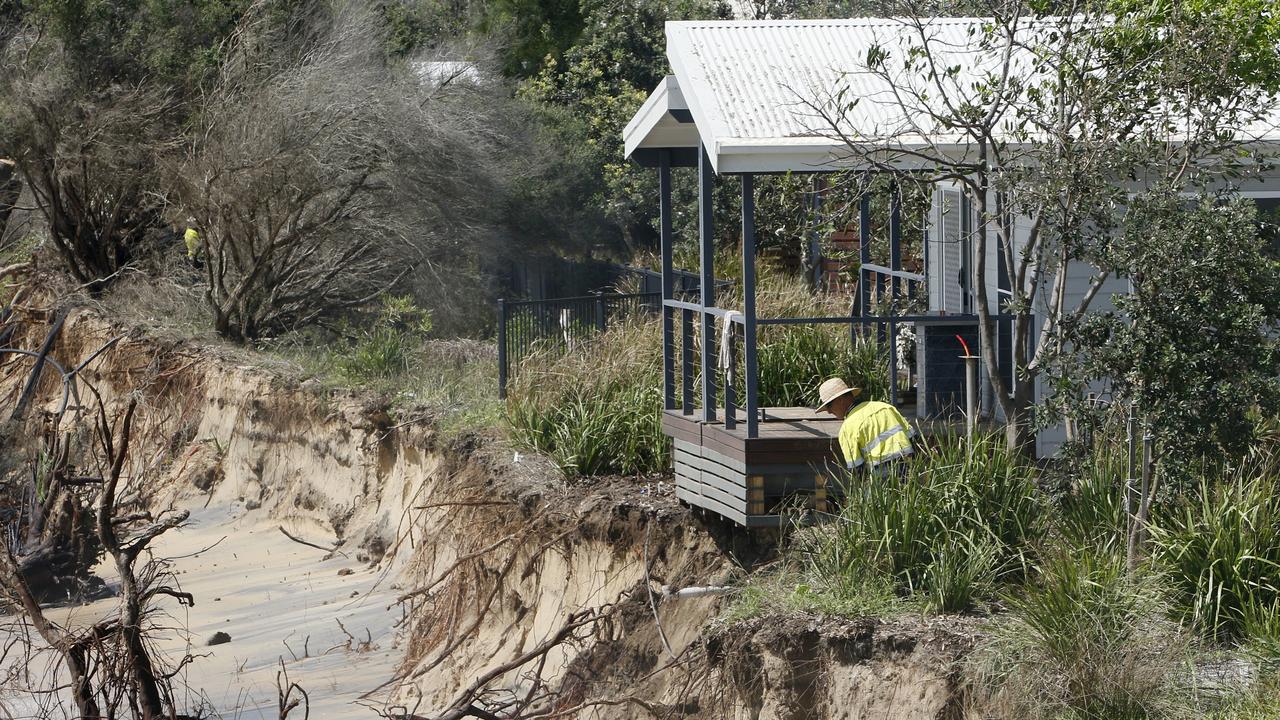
655 118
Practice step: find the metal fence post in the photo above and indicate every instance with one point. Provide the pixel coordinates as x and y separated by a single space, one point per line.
601 322
502 349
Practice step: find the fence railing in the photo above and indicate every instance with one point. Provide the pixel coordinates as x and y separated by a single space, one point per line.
525 326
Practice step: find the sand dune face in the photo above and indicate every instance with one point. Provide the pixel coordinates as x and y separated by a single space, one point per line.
441 560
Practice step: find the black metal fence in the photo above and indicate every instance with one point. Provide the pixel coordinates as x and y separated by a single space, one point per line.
683 281
525 326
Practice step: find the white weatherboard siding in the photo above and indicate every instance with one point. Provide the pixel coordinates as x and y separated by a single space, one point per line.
949 254
1079 274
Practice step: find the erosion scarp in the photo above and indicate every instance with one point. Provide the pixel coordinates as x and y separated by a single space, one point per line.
467 561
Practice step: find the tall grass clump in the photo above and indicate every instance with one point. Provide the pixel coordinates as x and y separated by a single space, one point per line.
1091 514
1089 641
1221 550
596 410
957 524
794 360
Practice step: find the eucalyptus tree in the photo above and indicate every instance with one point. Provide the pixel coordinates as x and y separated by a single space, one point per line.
1048 125
94 94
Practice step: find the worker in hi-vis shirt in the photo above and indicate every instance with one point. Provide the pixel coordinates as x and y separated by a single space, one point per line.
873 432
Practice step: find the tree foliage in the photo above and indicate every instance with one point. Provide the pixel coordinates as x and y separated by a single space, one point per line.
597 87
1191 348
115 41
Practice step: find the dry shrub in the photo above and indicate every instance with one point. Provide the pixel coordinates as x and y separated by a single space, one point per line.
319 178
89 156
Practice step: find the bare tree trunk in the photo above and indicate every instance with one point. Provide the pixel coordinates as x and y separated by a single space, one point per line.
1015 403
73 655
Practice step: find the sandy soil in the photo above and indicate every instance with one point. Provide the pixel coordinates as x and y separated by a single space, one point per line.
278 600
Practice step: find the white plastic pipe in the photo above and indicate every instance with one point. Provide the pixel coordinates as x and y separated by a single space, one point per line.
970 398
695 591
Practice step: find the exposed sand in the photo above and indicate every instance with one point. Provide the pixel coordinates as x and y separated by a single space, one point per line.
278 600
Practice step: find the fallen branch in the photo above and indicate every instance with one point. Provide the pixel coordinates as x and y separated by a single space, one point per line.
464 704
300 541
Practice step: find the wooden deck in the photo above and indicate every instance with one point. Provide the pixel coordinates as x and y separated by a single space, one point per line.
761 481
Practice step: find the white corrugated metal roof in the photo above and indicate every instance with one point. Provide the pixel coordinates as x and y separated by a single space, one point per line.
760 88
757 90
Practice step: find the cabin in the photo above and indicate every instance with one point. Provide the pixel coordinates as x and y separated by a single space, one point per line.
728 110
751 98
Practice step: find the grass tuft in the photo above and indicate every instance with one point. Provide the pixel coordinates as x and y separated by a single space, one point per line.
1221 548
949 530
1088 640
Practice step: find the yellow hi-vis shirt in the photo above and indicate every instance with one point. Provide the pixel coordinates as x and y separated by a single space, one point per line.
192 239
874 432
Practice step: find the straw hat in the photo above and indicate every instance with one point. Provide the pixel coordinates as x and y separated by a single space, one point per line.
834 388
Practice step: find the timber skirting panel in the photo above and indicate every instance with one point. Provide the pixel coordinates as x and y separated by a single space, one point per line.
752 496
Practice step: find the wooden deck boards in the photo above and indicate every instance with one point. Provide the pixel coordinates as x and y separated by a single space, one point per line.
788 436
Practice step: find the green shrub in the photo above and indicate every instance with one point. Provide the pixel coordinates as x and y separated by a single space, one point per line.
1221 550
383 350
955 525
1088 640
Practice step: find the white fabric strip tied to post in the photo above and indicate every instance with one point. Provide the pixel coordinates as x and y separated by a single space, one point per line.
726 338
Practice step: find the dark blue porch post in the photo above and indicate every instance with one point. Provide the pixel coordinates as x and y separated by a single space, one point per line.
864 253
749 304
707 264
668 324
895 264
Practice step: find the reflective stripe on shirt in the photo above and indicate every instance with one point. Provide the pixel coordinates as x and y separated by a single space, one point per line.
875 442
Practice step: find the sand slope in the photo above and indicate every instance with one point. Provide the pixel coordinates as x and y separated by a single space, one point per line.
278 600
